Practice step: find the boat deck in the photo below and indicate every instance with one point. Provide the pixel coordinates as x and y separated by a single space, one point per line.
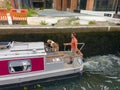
61 56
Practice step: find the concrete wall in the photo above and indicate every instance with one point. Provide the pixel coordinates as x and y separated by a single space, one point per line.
98 40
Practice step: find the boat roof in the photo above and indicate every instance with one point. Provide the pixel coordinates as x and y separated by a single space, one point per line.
15 49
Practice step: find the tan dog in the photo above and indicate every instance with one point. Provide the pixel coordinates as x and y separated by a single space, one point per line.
55 46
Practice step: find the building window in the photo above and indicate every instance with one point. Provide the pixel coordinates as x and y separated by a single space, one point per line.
82 4
105 5
49 3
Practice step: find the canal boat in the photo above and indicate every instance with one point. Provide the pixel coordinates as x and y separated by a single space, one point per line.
22 62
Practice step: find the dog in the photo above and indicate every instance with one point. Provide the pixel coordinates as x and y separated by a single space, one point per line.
54 46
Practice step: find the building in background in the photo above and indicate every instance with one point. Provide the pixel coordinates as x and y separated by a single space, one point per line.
65 5
2 4
105 5
37 3
6 3
27 3
93 5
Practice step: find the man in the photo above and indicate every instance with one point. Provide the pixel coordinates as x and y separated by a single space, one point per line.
73 44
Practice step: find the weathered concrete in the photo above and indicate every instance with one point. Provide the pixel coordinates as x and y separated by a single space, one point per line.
27 29
99 40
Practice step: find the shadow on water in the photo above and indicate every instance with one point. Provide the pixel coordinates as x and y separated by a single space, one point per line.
100 73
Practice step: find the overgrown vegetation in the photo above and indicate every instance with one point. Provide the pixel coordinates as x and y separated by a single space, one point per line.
68 21
31 12
23 22
43 22
41 8
72 21
76 23
91 22
8 5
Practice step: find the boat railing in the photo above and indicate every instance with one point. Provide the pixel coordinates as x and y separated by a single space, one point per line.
60 57
79 44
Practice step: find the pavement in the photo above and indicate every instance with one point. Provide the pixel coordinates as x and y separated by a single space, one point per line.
56 13
51 16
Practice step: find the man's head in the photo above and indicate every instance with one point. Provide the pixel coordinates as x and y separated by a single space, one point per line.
73 34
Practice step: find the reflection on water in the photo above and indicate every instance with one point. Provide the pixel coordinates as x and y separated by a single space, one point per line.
100 73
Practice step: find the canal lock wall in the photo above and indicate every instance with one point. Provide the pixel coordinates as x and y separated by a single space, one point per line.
99 40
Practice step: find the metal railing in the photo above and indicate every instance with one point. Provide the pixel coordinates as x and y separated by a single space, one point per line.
81 47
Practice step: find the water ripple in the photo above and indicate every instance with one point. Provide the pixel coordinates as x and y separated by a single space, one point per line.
106 64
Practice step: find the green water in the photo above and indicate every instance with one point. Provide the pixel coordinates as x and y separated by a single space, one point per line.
100 73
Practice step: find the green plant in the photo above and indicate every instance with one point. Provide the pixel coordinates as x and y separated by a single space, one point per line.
58 21
68 23
72 21
8 5
43 22
31 11
25 88
41 8
23 22
91 22
76 23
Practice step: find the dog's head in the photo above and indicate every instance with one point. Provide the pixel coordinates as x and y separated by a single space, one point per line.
49 41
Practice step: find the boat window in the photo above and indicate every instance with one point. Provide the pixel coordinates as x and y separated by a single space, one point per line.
4 45
20 66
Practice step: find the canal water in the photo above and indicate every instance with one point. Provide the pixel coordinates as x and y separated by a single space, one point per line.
100 73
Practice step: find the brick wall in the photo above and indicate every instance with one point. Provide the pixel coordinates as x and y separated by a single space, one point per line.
58 4
73 5
89 5
64 5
